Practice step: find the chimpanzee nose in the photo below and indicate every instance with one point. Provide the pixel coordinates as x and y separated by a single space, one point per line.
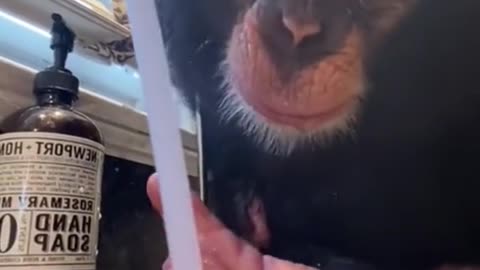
297 33
300 29
291 24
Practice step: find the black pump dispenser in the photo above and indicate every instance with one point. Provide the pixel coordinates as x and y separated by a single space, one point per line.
57 77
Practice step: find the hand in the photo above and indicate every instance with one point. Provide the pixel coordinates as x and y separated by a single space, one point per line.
221 249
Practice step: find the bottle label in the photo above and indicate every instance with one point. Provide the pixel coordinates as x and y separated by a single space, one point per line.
50 186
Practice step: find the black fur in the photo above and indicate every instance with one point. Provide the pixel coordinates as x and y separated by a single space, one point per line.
403 193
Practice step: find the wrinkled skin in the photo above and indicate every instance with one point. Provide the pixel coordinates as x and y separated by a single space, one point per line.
399 190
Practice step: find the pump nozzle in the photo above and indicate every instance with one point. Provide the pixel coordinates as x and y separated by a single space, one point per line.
63 39
57 77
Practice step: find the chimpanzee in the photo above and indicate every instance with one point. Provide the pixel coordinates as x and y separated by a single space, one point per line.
353 126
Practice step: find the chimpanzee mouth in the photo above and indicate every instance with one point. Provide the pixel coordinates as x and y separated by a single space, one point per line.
314 104
303 122
281 132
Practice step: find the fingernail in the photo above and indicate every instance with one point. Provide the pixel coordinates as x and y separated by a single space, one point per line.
155 175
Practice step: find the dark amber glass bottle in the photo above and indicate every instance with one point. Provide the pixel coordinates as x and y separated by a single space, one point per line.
51 166
53 112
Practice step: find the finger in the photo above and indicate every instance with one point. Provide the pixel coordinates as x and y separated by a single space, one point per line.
152 192
167 265
204 220
218 245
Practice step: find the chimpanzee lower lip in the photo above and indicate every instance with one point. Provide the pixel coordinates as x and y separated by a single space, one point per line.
303 122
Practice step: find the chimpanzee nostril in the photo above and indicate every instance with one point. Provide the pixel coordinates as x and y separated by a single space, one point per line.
301 30
297 33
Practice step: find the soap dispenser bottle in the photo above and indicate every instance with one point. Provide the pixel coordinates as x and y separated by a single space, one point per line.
51 166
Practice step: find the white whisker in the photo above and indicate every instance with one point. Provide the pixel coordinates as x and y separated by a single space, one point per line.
274 138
